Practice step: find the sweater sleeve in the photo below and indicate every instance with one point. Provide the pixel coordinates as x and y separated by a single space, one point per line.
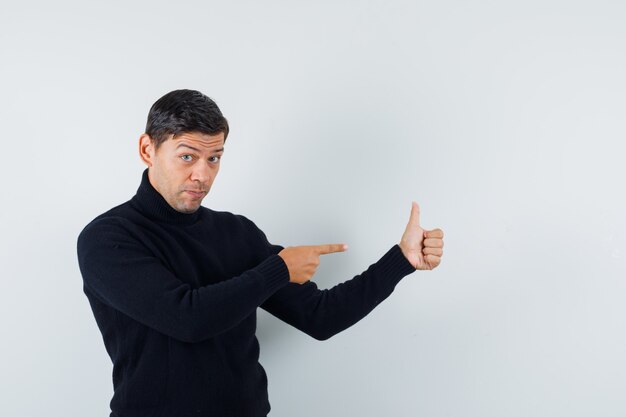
120 271
323 313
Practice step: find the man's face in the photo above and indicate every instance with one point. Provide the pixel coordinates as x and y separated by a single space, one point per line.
183 169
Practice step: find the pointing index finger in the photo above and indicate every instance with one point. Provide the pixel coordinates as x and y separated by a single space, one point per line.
331 248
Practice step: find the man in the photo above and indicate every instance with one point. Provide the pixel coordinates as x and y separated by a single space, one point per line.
174 286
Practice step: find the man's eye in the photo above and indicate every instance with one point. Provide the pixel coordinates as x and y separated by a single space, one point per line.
218 158
186 159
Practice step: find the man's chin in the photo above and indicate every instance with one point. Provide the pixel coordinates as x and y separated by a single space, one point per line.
188 209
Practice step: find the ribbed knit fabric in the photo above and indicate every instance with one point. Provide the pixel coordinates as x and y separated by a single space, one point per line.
175 297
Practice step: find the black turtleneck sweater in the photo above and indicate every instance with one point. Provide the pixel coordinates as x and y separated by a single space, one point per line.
175 297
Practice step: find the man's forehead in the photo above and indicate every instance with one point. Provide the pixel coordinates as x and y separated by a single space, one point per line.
199 140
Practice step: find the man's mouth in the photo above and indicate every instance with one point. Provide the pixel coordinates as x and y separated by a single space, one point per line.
196 194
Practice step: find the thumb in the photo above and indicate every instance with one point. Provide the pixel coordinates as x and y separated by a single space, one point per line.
414 220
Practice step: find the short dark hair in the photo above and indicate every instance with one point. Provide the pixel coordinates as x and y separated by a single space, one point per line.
184 111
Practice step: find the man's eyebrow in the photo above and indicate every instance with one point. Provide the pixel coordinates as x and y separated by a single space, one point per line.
197 150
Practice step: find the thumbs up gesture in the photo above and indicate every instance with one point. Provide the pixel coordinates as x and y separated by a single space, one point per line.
422 248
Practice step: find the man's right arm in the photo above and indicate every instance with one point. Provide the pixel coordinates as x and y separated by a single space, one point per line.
124 274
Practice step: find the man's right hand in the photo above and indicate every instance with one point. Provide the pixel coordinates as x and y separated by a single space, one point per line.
302 261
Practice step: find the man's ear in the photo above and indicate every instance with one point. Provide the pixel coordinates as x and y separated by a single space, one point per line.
146 149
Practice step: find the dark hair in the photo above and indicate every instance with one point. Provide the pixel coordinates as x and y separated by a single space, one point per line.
181 111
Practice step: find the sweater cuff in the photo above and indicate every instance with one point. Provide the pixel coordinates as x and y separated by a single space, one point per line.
275 271
394 264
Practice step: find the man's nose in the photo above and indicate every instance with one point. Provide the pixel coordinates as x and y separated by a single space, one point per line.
201 172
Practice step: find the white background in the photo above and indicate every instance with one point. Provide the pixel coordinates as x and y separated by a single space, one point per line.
504 120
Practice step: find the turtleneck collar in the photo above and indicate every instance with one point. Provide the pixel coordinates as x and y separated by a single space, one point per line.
153 205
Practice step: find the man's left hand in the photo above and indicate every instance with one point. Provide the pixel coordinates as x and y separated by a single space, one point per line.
422 248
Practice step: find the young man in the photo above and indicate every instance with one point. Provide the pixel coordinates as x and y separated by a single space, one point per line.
174 286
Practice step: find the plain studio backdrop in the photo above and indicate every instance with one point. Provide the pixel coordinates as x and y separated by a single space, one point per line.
503 120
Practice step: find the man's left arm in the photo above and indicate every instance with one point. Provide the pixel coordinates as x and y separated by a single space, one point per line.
323 313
